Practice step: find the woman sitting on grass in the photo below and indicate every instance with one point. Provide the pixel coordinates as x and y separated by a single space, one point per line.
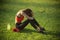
30 19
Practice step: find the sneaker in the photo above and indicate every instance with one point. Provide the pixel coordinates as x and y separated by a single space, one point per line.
43 29
16 30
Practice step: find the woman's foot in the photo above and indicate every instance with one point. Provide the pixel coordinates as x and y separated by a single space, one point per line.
43 29
40 30
16 30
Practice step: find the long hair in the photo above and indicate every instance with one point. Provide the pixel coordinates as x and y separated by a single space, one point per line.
28 12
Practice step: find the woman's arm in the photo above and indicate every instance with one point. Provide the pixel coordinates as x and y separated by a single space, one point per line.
30 18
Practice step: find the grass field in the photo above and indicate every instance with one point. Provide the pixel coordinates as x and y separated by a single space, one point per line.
46 12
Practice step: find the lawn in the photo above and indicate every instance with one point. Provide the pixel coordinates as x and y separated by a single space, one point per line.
46 12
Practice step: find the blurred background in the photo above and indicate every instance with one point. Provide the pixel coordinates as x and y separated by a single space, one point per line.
46 12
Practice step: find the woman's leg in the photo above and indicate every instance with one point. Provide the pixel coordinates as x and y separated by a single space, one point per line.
36 25
22 25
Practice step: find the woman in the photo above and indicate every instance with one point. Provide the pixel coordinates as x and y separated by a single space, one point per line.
30 19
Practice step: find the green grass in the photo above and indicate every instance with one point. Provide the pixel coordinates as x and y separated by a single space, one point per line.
46 12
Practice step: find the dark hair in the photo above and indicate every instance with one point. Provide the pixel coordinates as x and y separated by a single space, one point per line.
28 12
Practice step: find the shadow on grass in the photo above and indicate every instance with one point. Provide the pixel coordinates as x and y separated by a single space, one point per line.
53 33
28 31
